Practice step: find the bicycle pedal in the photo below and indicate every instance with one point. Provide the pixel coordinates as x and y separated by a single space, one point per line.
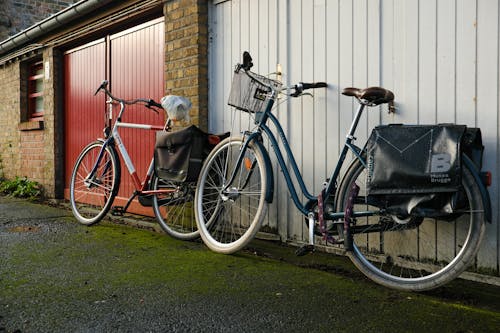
304 249
117 211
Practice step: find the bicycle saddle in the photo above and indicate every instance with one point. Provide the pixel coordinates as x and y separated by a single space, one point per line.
370 96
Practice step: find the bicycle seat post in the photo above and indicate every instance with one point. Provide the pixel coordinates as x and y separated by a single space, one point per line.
355 122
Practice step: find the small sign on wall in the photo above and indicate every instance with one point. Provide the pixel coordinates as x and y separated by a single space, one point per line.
47 71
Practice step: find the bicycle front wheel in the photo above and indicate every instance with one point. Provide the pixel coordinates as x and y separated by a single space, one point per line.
229 215
174 208
413 253
94 183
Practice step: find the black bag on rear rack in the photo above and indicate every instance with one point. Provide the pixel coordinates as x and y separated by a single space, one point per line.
416 169
179 155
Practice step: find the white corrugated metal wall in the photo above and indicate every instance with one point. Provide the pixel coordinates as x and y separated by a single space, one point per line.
440 58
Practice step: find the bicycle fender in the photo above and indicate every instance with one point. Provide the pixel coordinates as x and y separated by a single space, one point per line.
485 196
110 143
269 168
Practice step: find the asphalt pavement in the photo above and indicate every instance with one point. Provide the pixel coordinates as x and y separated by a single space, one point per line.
59 276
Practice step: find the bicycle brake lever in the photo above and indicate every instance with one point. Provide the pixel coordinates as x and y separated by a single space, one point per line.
152 109
296 94
150 105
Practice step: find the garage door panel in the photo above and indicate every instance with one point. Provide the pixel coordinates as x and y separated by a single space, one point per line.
137 72
135 59
85 68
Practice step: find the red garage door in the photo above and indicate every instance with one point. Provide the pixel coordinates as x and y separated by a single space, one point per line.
132 61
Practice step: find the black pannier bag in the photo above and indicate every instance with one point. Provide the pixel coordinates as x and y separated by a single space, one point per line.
179 155
416 169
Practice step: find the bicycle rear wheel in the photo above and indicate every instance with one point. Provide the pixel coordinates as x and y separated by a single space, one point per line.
91 195
413 253
174 211
229 215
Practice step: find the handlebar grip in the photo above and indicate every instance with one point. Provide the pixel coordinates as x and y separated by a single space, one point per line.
314 85
103 85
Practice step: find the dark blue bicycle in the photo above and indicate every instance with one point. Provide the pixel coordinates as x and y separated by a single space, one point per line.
415 241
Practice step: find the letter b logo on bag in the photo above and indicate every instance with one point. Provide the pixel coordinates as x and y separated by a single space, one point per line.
440 163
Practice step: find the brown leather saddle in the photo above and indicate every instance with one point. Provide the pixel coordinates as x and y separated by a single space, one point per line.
371 96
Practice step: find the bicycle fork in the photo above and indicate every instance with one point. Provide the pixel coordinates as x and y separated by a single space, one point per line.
231 193
92 179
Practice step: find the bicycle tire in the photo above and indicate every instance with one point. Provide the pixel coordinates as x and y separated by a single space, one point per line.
228 220
414 258
175 211
91 199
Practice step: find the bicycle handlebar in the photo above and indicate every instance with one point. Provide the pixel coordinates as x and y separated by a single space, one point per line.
314 85
103 85
147 102
301 86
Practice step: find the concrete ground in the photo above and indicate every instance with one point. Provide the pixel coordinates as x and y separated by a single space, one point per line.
59 276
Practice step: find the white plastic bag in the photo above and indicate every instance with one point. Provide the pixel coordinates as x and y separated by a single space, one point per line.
177 107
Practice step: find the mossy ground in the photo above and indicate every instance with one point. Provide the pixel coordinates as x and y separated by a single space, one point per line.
111 277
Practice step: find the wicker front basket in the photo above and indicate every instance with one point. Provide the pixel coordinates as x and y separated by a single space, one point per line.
248 94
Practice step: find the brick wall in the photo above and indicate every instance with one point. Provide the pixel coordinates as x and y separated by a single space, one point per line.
37 152
186 60
27 149
32 155
9 119
17 15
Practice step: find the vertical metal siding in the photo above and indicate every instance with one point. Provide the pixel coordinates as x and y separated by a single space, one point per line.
440 58
487 111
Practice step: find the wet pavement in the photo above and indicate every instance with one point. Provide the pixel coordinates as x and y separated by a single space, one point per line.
59 276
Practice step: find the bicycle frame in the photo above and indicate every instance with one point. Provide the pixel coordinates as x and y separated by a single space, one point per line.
236 188
261 120
114 139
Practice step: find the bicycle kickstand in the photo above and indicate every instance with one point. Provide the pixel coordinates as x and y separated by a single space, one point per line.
120 210
308 248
